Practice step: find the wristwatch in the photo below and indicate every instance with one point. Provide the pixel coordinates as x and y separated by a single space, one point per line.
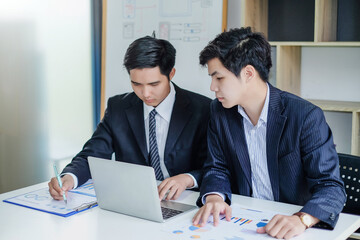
305 218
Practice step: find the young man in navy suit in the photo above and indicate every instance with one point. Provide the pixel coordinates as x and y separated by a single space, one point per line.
158 125
264 142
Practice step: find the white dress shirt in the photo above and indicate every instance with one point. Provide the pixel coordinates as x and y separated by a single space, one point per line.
256 144
163 116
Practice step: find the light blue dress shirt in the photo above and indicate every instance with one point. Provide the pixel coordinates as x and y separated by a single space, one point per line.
256 144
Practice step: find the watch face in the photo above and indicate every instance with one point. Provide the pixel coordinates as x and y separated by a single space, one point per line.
306 220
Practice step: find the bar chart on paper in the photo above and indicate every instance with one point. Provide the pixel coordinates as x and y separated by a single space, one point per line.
86 189
242 226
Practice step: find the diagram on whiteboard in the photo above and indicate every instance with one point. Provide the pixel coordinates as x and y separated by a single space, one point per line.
173 20
187 24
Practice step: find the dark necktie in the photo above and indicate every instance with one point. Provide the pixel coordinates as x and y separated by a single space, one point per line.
153 149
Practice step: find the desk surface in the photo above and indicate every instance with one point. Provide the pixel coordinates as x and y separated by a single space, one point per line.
22 223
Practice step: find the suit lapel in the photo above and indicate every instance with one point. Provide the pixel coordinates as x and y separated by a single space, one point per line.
274 129
179 117
135 115
238 136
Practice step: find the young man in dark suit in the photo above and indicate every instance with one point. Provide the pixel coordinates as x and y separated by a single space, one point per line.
158 125
264 142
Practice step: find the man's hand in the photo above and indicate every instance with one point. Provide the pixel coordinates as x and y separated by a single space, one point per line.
283 227
54 189
175 185
214 205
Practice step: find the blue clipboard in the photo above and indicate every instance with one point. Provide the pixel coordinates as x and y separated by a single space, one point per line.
79 200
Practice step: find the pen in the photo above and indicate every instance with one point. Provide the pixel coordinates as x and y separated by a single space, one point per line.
86 206
59 181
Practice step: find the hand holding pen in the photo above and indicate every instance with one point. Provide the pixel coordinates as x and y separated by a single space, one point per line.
59 181
59 186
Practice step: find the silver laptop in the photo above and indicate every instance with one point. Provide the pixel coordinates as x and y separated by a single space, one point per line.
131 189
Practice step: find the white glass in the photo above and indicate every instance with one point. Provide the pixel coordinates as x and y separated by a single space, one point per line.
45 87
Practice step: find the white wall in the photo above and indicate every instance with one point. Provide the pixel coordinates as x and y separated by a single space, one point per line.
340 125
330 73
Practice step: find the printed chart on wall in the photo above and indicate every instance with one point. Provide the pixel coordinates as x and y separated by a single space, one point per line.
242 226
188 24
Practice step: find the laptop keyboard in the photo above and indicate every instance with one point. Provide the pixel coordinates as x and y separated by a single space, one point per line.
168 212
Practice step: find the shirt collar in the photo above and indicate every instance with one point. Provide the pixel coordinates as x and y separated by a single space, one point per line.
264 111
164 109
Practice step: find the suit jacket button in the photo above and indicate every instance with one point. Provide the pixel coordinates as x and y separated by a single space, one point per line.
332 216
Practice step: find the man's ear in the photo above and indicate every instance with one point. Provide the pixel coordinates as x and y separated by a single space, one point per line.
172 73
248 72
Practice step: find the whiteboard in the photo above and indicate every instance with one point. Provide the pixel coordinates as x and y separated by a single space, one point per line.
188 24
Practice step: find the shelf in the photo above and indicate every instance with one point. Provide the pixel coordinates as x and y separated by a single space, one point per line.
316 44
350 107
338 106
291 20
348 20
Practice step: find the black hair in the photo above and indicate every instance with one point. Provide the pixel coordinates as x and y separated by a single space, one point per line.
237 48
149 52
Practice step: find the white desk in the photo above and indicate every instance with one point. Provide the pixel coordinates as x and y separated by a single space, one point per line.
22 223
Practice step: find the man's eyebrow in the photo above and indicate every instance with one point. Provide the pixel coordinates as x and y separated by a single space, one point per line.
214 73
154 82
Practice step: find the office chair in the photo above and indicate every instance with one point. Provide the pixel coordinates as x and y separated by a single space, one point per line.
350 174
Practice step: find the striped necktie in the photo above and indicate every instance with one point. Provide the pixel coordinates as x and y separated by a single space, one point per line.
154 153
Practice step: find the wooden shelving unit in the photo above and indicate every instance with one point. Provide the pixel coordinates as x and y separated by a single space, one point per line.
351 107
258 14
316 44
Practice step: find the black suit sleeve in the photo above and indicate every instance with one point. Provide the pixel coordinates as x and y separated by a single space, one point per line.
186 147
100 145
200 144
200 150
321 165
216 174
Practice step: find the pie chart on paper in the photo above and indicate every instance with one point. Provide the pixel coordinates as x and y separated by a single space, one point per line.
197 228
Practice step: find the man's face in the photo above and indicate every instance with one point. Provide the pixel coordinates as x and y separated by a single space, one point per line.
229 89
150 85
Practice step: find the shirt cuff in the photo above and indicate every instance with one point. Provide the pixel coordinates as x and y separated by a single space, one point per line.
203 199
195 182
74 178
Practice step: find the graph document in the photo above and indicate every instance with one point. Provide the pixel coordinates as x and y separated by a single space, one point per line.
242 226
78 200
